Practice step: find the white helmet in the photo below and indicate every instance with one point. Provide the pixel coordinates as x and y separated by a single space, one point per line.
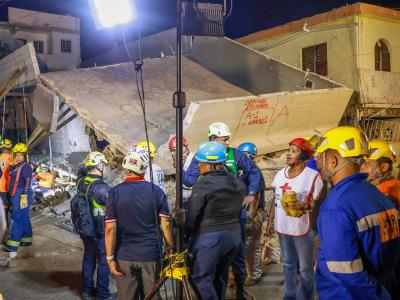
219 130
137 160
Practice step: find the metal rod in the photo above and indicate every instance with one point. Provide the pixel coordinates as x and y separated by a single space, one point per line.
51 154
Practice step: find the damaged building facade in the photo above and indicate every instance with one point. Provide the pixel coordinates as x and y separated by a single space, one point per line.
55 46
357 45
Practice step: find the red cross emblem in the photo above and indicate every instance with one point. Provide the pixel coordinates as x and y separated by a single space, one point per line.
285 188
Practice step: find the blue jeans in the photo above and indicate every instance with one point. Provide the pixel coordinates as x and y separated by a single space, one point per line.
95 254
21 227
213 254
297 249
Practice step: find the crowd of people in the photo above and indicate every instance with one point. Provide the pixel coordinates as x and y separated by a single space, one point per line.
337 191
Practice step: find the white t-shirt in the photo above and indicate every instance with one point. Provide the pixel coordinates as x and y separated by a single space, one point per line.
158 176
307 186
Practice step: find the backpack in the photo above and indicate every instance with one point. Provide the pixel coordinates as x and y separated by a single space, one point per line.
81 211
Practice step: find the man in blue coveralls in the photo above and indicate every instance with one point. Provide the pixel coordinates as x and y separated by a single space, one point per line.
214 220
21 196
358 226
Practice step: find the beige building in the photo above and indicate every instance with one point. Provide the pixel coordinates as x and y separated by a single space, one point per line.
357 45
56 38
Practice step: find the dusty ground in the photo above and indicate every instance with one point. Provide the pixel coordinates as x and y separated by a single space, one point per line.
50 269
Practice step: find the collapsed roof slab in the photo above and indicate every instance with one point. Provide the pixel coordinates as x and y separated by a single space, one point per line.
106 98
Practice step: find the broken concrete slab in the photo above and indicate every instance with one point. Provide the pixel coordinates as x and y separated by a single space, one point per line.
106 98
24 57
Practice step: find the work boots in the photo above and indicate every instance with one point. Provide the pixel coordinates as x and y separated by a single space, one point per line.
240 294
5 258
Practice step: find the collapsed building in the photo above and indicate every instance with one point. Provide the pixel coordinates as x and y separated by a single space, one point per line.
261 99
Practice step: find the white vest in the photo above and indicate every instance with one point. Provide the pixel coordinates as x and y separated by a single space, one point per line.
158 176
307 186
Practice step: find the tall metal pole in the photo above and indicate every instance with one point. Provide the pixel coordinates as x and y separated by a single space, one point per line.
179 103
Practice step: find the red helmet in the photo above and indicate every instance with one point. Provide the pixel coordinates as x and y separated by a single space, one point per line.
304 145
172 143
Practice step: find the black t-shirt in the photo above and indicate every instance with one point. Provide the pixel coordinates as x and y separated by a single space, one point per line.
216 202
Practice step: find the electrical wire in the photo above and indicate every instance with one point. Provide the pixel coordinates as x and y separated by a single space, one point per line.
140 90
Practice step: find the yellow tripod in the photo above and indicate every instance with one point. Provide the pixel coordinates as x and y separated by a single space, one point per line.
176 270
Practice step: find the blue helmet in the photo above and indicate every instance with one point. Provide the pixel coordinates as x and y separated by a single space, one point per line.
211 152
248 147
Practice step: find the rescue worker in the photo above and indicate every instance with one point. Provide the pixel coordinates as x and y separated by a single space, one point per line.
94 254
214 217
158 173
135 209
20 197
296 187
358 226
188 157
379 166
239 165
255 218
5 166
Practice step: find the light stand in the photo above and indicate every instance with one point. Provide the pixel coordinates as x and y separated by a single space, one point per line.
179 102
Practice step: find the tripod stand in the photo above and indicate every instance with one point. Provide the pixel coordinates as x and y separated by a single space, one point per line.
176 270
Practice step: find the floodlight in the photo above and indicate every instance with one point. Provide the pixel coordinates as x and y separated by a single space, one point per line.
110 13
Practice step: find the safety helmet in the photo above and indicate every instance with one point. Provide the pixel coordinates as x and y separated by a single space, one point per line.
347 140
172 143
20 148
152 150
248 147
137 160
305 147
379 148
219 130
313 140
211 152
6 144
94 158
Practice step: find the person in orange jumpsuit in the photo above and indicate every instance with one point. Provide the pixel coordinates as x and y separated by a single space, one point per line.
379 166
5 165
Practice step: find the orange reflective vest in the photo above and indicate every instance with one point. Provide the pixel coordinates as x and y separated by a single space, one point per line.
5 165
391 188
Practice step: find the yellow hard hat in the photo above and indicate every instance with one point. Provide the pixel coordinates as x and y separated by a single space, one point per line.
347 140
379 148
313 140
94 158
20 148
6 143
152 151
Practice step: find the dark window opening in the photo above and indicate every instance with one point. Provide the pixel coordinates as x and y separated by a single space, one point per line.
382 56
66 46
315 59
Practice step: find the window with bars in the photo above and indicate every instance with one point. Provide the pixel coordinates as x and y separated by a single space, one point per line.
66 46
382 56
39 46
315 59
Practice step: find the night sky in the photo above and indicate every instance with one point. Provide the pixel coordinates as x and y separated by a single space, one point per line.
156 15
